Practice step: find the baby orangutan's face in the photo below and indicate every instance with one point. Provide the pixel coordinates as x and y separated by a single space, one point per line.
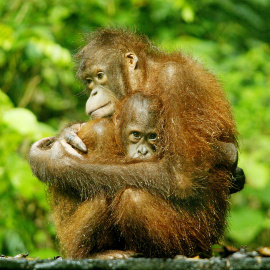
140 136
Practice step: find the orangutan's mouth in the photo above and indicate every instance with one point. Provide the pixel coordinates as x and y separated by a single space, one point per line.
101 107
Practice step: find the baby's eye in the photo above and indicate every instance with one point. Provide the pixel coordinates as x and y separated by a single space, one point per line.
100 75
152 136
136 134
88 80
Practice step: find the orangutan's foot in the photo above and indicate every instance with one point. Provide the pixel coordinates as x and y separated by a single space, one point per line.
113 255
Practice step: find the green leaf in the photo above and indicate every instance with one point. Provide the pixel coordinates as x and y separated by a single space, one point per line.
6 37
188 14
14 242
245 224
22 178
5 102
44 253
257 172
21 120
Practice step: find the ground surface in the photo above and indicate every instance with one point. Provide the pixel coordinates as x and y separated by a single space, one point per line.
140 264
226 258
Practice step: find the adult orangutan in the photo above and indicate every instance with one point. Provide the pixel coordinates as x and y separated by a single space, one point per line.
174 205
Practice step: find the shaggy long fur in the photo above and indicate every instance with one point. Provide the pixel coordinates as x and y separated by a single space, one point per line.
176 205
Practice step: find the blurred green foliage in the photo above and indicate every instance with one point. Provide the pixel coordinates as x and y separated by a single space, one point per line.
39 95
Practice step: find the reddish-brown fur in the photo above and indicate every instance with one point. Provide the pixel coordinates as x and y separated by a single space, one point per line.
176 205
103 139
99 136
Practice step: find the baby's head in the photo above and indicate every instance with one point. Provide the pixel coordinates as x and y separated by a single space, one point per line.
138 123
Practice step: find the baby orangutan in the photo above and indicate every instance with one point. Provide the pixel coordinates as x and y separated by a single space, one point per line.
87 228
131 133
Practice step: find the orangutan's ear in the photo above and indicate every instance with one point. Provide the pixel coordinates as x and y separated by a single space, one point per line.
132 60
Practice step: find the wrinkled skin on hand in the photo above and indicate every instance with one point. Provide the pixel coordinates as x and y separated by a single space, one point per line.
69 137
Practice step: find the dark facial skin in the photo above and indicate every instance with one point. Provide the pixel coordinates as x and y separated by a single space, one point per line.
140 137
